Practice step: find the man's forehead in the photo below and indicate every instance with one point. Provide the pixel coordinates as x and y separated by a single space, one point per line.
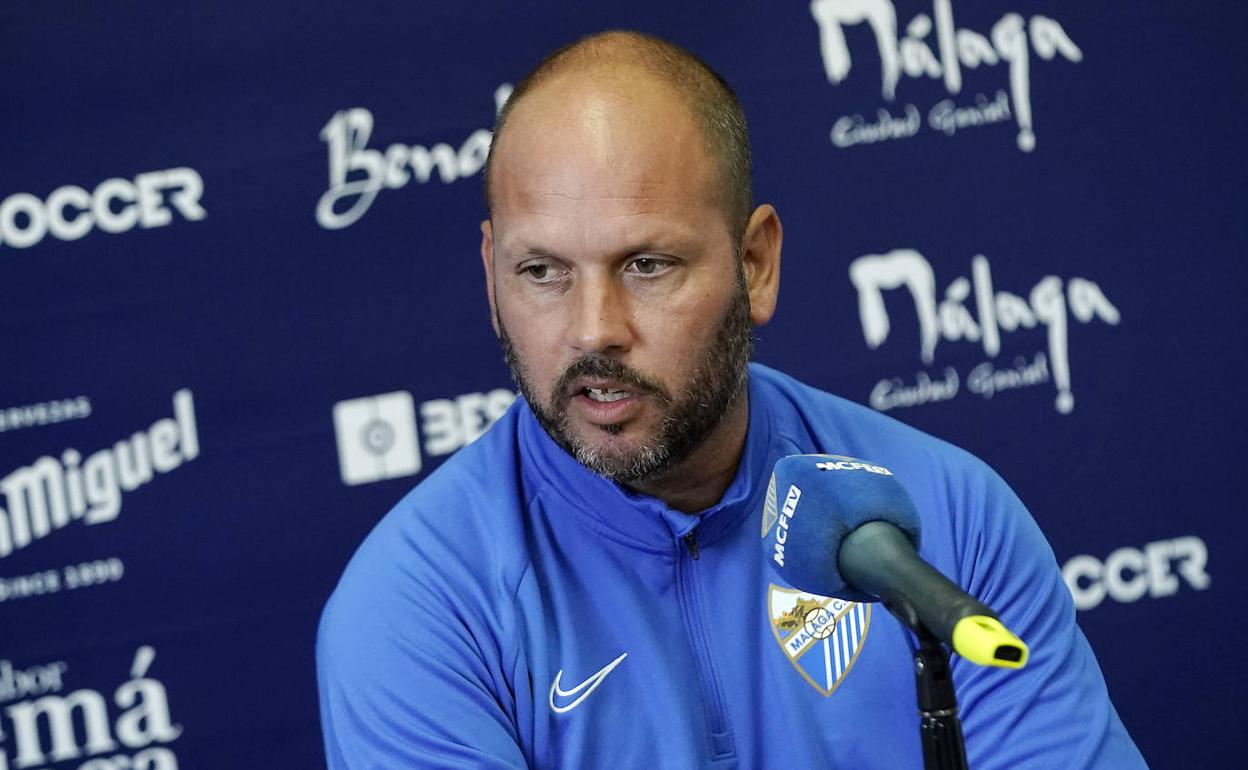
606 113
558 188
580 138
594 84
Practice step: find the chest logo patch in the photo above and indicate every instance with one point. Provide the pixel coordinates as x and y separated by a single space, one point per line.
559 697
820 636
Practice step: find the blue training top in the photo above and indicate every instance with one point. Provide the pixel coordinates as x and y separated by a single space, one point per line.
517 610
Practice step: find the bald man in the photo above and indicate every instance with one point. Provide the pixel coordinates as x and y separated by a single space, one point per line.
584 586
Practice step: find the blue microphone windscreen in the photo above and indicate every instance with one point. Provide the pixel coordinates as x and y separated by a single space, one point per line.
813 502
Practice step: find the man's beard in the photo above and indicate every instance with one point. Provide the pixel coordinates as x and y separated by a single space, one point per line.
689 416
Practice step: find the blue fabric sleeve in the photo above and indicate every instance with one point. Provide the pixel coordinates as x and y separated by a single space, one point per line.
410 673
1056 711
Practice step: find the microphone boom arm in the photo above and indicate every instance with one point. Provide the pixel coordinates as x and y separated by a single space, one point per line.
879 559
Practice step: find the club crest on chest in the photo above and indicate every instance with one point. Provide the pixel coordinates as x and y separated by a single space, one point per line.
821 636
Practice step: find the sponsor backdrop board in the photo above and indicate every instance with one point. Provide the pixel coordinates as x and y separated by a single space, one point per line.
244 314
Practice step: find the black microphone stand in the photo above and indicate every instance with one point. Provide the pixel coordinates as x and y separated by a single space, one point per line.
940 730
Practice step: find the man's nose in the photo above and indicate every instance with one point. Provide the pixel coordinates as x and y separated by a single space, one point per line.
602 321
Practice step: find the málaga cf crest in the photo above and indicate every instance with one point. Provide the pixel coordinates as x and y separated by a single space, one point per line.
821 636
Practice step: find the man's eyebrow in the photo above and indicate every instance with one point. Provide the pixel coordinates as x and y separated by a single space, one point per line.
677 240
530 252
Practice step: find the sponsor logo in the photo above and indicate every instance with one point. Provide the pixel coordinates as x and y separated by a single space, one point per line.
69 578
450 423
36 680
44 413
582 690
935 47
1129 574
848 464
820 636
51 492
1052 304
377 435
358 173
376 438
40 724
786 513
115 206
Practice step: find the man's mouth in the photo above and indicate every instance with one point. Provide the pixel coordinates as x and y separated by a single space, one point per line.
606 395
603 402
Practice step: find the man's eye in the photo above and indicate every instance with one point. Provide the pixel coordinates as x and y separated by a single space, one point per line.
541 273
647 265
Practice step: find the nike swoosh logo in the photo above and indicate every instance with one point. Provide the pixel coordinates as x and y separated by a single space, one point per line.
584 688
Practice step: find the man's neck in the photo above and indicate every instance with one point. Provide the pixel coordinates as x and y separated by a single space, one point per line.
700 480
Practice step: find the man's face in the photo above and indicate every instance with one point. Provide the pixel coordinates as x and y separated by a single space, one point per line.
687 416
616 287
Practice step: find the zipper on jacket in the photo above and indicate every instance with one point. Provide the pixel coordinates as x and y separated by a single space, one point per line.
721 742
691 543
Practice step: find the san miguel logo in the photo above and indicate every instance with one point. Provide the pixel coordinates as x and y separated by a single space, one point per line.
53 492
820 636
935 47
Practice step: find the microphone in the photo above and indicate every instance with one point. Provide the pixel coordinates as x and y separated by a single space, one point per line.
847 528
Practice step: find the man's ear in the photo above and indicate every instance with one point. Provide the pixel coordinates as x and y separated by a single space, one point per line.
760 260
487 260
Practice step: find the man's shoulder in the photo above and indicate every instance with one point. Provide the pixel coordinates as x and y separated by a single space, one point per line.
478 480
474 487
457 536
809 416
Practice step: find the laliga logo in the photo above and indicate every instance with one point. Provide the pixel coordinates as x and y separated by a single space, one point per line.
1050 304
912 55
377 435
347 133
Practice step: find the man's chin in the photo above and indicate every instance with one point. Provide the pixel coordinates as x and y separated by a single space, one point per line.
615 440
611 450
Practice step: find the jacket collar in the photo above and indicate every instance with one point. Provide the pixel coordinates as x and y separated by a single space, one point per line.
639 520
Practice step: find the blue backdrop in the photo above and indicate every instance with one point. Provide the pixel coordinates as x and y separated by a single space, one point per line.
243 313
